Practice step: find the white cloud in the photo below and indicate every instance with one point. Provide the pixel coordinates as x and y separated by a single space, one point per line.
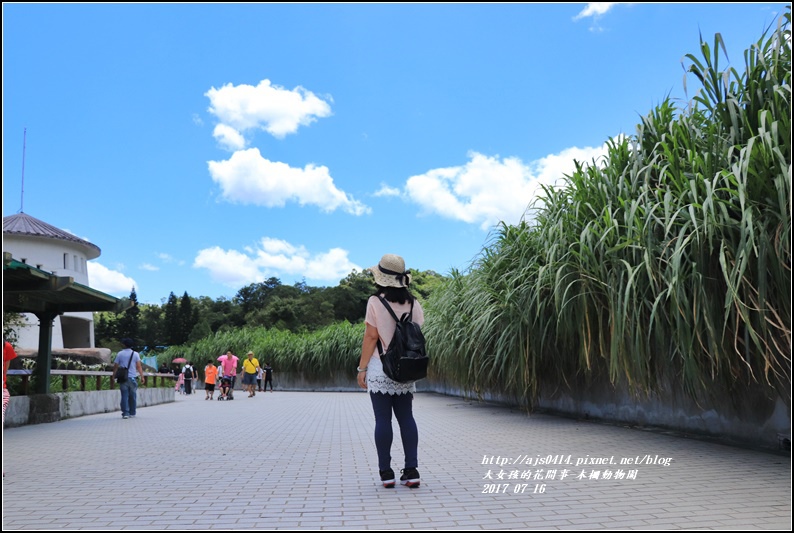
249 178
274 109
109 281
167 258
228 267
273 257
332 265
487 190
385 190
228 137
147 266
277 246
552 168
595 9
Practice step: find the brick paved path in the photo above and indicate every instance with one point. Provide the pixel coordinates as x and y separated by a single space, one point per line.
307 460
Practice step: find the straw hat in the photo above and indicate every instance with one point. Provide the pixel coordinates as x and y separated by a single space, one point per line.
391 272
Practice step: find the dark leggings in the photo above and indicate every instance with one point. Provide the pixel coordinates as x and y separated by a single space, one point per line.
402 405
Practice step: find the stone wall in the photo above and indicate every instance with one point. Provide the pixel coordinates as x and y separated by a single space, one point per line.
42 408
753 417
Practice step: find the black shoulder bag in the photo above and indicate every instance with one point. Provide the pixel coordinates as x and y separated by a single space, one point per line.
122 373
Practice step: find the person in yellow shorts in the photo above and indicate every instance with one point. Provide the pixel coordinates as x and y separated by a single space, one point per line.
250 368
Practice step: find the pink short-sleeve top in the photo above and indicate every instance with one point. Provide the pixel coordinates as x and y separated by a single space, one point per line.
378 316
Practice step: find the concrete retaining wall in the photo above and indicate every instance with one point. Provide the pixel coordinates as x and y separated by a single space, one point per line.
769 428
42 408
338 382
751 417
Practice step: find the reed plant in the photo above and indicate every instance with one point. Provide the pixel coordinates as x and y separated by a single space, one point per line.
667 263
316 354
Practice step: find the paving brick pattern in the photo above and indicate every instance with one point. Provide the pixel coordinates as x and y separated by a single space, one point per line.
307 460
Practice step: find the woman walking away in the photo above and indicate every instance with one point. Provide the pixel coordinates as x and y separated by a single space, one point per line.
387 396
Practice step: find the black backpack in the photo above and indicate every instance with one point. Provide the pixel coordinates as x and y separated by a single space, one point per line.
405 359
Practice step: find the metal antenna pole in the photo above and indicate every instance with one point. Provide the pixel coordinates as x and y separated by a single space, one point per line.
22 199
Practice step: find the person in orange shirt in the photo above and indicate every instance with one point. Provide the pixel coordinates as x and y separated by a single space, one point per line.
210 377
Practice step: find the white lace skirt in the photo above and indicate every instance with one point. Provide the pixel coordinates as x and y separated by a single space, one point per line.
377 381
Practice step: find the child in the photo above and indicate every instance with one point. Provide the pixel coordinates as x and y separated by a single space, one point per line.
226 383
210 377
180 384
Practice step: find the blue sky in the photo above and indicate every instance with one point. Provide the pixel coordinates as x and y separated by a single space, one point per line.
204 147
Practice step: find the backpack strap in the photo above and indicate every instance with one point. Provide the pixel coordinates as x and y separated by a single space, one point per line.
394 316
391 311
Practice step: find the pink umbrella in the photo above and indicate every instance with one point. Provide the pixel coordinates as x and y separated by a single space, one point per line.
179 360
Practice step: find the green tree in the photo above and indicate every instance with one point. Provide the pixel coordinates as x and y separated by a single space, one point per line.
282 313
151 326
188 317
256 295
424 282
11 323
199 331
172 325
224 314
315 311
270 304
349 298
128 324
105 329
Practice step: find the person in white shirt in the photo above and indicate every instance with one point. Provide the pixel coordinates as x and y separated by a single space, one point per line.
131 360
190 375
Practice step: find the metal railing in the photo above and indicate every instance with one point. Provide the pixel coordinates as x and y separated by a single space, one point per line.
84 374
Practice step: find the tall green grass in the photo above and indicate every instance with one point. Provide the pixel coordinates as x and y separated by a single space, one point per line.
667 262
320 353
